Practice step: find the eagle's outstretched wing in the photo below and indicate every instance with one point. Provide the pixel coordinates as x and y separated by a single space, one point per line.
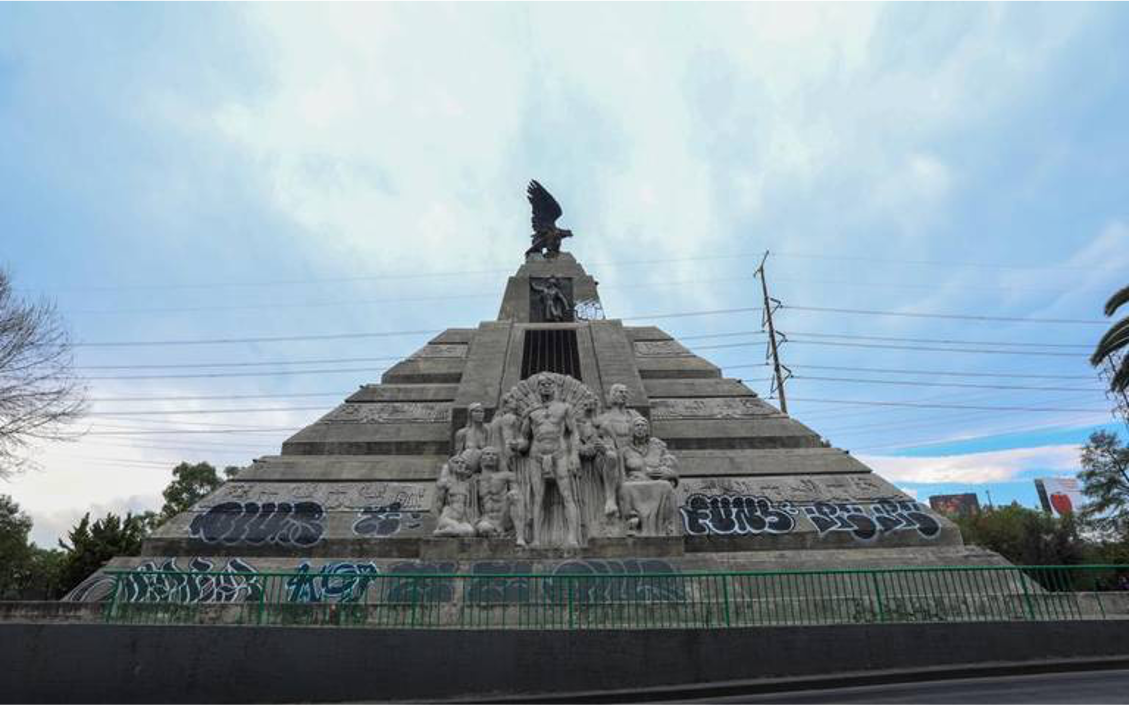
546 210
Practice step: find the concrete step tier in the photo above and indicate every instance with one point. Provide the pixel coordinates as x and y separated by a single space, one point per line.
624 557
692 463
308 517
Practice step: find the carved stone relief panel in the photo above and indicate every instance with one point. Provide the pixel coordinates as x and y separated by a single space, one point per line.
441 350
389 413
660 348
708 408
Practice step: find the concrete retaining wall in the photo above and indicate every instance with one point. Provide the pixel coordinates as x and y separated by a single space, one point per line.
101 663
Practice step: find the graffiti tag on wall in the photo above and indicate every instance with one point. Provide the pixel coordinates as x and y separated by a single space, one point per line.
337 582
385 520
740 515
188 585
634 580
297 523
736 514
866 521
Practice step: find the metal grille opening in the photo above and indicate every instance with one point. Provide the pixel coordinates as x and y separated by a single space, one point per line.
550 350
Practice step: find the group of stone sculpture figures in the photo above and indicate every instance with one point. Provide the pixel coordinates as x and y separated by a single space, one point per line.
554 470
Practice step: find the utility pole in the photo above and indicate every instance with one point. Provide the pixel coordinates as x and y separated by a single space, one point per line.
766 319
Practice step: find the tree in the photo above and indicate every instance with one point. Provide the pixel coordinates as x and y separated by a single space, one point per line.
28 572
1024 536
1105 482
1113 348
15 553
190 483
39 395
92 544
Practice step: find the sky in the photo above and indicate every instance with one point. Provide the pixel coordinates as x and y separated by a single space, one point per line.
176 174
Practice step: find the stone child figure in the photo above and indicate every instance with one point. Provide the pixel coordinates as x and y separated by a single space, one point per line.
454 500
548 436
498 498
475 436
504 428
647 494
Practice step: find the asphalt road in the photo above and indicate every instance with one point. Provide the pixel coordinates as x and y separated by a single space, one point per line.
1094 687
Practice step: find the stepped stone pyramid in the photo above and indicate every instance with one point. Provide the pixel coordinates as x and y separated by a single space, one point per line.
757 489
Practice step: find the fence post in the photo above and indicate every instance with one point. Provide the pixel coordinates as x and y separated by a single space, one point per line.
725 597
571 617
1027 596
415 599
260 613
878 597
1098 596
111 603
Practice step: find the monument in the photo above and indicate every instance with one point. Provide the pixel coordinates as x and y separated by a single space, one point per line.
541 442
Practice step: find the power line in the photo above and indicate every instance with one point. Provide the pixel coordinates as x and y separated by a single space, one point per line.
1001 432
312 361
689 313
939 372
241 364
946 406
604 286
244 410
255 339
380 334
186 398
140 432
272 373
383 276
746 344
961 317
1077 356
1031 344
939 263
917 383
506 270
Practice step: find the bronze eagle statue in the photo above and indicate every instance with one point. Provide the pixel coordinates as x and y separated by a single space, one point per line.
546 236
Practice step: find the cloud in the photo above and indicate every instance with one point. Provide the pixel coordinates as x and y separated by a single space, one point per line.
49 527
976 468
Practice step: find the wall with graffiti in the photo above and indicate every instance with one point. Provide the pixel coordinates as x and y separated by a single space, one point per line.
861 508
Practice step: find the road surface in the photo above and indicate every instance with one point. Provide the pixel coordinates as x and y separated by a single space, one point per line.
1109 686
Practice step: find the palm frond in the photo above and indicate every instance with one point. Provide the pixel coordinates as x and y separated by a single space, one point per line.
1119 297
1116 338
1120 380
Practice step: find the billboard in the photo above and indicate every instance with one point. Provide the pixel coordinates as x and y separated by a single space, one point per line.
1060 496
961 504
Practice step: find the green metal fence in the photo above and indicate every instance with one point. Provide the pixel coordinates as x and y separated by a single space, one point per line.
364 596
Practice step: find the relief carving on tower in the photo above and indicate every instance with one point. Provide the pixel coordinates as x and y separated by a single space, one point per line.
554 470
389 413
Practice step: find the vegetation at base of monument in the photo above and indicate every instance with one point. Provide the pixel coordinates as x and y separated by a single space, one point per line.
1105 482
191 482
92 544
1024 536
31 572
1035 538
39 394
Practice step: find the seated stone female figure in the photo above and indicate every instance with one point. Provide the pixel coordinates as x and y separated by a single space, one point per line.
647 494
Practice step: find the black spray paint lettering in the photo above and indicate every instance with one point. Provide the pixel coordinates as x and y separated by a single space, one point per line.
867 521
148 583
336 582
434 584
736 515
385 520
297 523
